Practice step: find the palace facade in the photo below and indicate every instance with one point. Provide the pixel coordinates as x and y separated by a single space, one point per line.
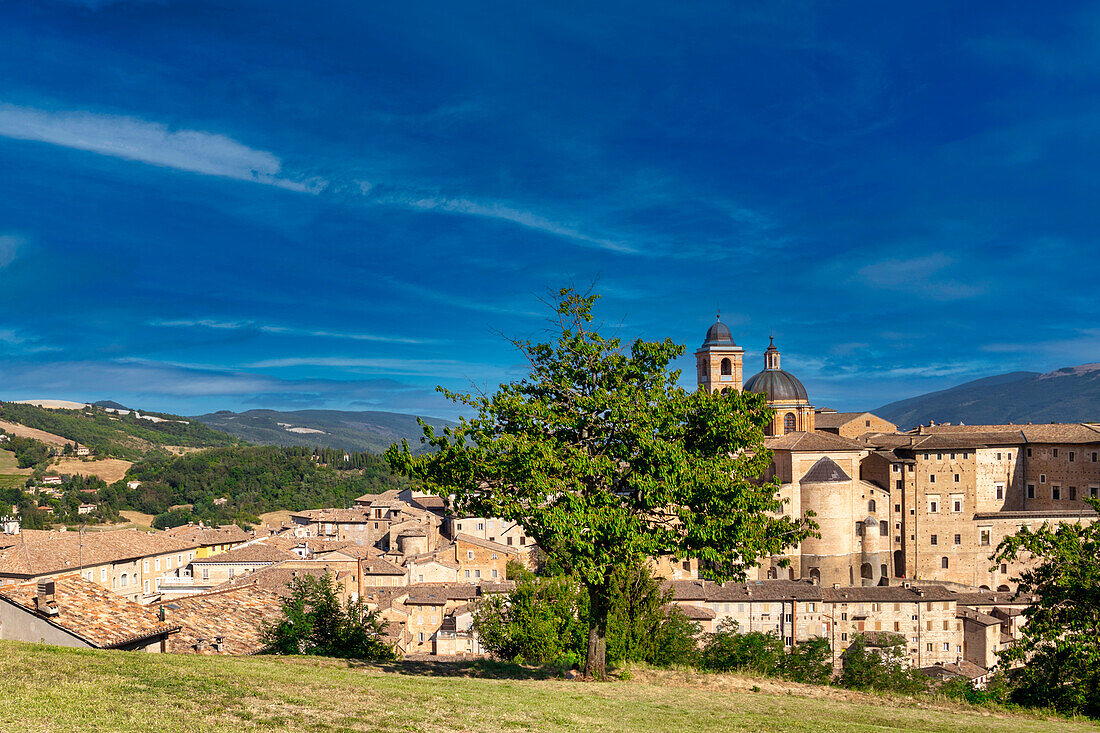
929 504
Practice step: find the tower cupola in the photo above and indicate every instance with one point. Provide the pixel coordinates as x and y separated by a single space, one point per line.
718 360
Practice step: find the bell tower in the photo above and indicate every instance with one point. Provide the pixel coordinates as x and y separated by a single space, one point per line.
718 360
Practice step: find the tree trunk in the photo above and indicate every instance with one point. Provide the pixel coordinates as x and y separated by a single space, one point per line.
595 665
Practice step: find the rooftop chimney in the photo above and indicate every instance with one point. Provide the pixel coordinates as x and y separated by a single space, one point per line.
836 586
46 601
219 643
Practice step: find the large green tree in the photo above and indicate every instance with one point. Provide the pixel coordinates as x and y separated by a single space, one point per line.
606 461
1056 662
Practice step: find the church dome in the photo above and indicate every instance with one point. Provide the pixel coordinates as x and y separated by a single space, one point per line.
719 335
778 385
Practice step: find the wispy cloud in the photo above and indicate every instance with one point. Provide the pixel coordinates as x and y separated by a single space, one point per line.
427 367
521 217
924 275
153 143
215 324
9 247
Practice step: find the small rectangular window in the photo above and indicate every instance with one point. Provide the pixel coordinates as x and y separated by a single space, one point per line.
943 563
932 479
1000 492
1072 455
956 478
1055 492
1031 491
1029 452
952 456
934 540
984 536
1055 452
958 539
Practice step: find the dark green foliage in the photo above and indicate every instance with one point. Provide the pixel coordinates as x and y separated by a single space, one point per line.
315 622
172 518
111 434
641 624
546 619
542 621
1059 648
808 661
880 667
607 462
996 690
30 453
726 650
253 479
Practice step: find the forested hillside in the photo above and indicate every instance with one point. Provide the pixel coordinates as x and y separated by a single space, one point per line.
1071 394
354 431
252 479
110 434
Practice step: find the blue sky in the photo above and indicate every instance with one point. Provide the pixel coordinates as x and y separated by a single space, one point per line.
232 205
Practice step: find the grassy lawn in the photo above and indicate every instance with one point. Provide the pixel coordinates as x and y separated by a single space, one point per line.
53 689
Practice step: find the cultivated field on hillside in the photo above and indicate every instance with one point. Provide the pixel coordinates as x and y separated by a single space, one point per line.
53 689
108 469
24 432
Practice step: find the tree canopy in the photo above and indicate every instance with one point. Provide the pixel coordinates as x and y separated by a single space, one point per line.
1056 661
606 461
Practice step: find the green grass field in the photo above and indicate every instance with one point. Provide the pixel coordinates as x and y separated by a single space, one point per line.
53 689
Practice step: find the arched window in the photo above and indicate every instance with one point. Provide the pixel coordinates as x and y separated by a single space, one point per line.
1002 588
727 367
865 570
815 576
871 506
788 423
884 571
944 563
899 563
123 580
790 573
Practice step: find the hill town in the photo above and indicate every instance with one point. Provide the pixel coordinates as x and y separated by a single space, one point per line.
907 520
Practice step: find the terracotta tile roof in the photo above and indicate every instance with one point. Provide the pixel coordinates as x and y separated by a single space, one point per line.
960 668
979 439
976 616
314 544
233 614
63 551
378 566
437 594
360 515
206 536
387 495
839 419
811 442
993 598
888 594
1045 433
487 544
761 590
695 613
91 612
253 552
276 577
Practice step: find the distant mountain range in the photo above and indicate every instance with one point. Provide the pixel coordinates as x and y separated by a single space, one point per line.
370 431
1071 394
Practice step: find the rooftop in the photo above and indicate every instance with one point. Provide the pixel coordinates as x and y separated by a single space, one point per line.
62 551
91 612
234 614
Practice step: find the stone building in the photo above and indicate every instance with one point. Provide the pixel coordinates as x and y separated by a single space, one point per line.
930 504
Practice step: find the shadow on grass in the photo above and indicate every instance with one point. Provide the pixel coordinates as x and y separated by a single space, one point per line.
473 668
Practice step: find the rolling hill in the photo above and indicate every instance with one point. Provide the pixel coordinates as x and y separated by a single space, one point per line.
350 431
1071 394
